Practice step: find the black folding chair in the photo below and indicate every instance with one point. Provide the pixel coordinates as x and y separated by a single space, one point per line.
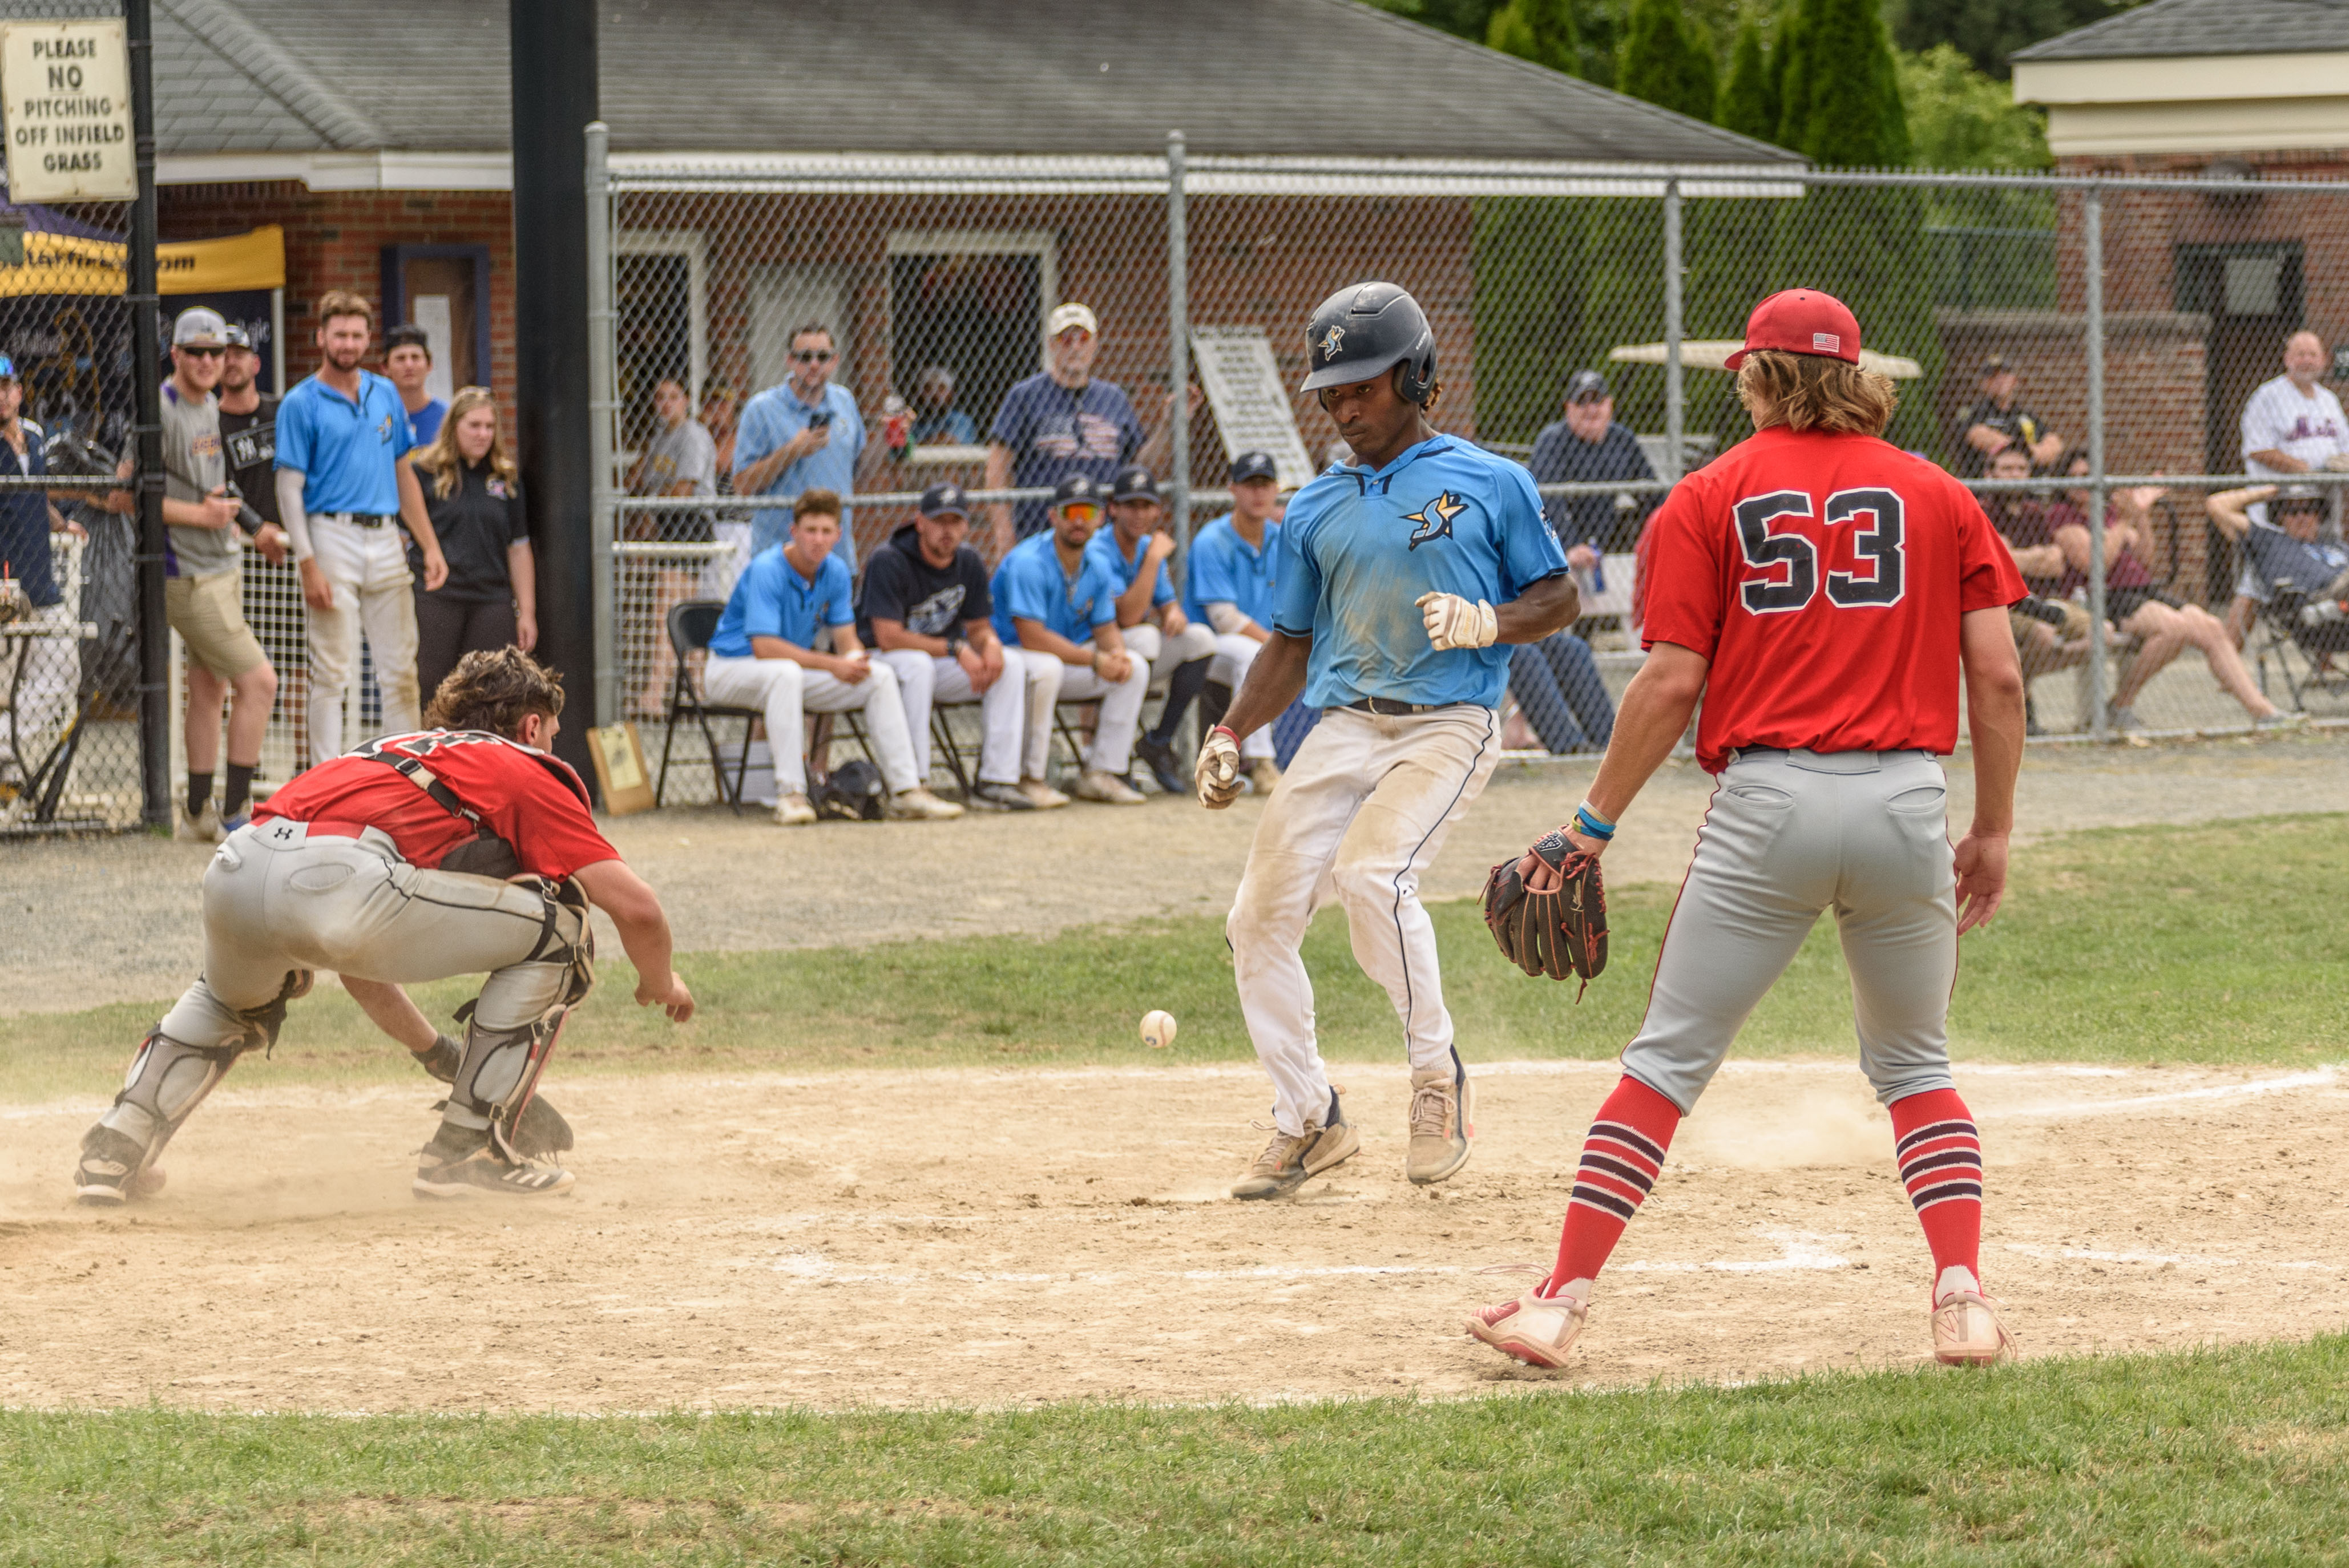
2303 656
690 626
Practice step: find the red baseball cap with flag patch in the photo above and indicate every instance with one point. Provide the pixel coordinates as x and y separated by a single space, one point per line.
1801 321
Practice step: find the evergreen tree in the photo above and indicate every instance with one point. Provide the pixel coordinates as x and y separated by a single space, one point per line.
1665 60
1749 93
1987 31
1542 31
1840 96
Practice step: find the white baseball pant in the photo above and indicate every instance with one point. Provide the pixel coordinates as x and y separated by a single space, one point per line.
1051 681
925 679
367 568
1360 816
40 667
1788 834
787 692
1162 653
1233 654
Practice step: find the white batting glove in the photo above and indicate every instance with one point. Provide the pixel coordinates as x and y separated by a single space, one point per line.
1454 622
1218 776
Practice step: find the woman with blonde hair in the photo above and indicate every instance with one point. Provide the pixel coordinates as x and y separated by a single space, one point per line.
473 494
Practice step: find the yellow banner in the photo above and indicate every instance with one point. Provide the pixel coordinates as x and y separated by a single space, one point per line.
64 264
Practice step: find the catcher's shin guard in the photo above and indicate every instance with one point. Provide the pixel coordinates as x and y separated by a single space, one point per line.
167 1080
500 1067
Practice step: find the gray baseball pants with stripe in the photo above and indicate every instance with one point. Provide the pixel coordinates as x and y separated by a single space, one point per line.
1790 834
1358 818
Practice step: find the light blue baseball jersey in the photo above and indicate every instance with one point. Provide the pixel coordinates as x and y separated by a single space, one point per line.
1359 547
772 600
345 449
1123 567
1227 569
1031 585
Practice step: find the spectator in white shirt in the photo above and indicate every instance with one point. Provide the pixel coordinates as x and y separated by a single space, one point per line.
2292 425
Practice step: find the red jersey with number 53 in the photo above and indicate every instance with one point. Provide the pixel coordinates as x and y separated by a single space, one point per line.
1824 577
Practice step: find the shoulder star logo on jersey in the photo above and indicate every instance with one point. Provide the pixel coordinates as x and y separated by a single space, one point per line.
1435 519
1331 340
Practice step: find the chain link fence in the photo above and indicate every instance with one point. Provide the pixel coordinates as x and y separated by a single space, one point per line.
69 677
2073 348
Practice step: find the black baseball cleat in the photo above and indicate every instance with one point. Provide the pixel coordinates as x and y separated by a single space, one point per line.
449 1169
1159 757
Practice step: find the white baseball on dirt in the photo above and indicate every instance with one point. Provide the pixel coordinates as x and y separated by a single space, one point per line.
1158 1030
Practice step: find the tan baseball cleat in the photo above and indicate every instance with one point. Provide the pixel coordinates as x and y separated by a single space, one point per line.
1265 774
1106 788
793 811
1967 1331
1041 795
918 805
1286 1163
1442 1108
1536 1329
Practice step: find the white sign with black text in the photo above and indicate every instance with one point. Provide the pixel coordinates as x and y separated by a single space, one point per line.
65 101
1243 384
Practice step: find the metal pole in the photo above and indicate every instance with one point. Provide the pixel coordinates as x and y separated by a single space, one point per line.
602 409
147 431
2092 236
1178 353
1676 407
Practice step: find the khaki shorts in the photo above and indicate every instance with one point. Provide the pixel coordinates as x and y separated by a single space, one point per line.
206 613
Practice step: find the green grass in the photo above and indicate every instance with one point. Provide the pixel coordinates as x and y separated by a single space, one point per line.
2208 943
2234 1456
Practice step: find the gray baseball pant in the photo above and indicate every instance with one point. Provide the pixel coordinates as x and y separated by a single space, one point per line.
1789 834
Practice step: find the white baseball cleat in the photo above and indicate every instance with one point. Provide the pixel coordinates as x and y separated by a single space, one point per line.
1536 1329
1967 1331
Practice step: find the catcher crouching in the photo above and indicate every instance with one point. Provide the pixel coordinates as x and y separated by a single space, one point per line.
461 848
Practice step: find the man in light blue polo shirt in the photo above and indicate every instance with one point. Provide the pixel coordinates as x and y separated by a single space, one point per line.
1135 546
1058 606
802 434
1229 589
764 656
343 489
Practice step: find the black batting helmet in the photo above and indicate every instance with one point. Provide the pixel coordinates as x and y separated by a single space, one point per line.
1359 331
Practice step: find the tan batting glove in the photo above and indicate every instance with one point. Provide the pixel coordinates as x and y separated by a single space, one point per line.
1218 777
1453 622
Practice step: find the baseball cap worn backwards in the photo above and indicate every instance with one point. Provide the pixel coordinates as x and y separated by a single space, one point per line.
1065 317
1135 482
945 500
1801 321
199 328
1254 466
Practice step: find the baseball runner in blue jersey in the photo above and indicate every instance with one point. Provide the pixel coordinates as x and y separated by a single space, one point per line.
1398 580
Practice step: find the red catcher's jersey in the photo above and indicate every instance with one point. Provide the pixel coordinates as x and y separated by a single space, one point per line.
1824 577
533 801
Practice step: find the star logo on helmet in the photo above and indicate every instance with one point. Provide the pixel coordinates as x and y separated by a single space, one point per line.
1331 340
1435 519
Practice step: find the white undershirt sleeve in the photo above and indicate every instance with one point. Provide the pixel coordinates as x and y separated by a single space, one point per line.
1225 617
290 513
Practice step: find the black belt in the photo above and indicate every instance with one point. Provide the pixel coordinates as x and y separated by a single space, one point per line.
1387 708
363 519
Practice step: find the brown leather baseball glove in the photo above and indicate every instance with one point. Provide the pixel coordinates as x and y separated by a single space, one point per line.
1559 932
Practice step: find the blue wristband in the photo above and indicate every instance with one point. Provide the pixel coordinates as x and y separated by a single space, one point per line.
1590 827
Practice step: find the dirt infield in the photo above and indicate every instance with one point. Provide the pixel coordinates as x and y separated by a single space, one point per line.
984 1238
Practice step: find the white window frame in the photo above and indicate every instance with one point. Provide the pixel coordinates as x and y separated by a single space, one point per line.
1041 243
693 246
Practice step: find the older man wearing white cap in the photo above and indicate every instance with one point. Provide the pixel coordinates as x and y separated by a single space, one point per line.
1063 420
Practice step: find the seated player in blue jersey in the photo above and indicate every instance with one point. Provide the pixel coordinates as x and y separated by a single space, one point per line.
1229 585
1135 547
1397 584
764 656
1057 605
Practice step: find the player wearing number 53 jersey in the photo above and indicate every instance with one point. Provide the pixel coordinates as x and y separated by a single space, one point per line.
1397 579
1821 591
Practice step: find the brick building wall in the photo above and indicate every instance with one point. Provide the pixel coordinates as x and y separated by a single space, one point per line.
335 240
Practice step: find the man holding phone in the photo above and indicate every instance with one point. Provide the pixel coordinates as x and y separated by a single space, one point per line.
801 435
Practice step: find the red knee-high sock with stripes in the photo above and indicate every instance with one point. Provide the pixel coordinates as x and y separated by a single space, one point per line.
1940 1155
1620 1160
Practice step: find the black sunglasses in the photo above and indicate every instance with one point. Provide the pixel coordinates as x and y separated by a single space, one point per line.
201 350
820 355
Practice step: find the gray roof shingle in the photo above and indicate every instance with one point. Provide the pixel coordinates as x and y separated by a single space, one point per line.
2189 28
1315 77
